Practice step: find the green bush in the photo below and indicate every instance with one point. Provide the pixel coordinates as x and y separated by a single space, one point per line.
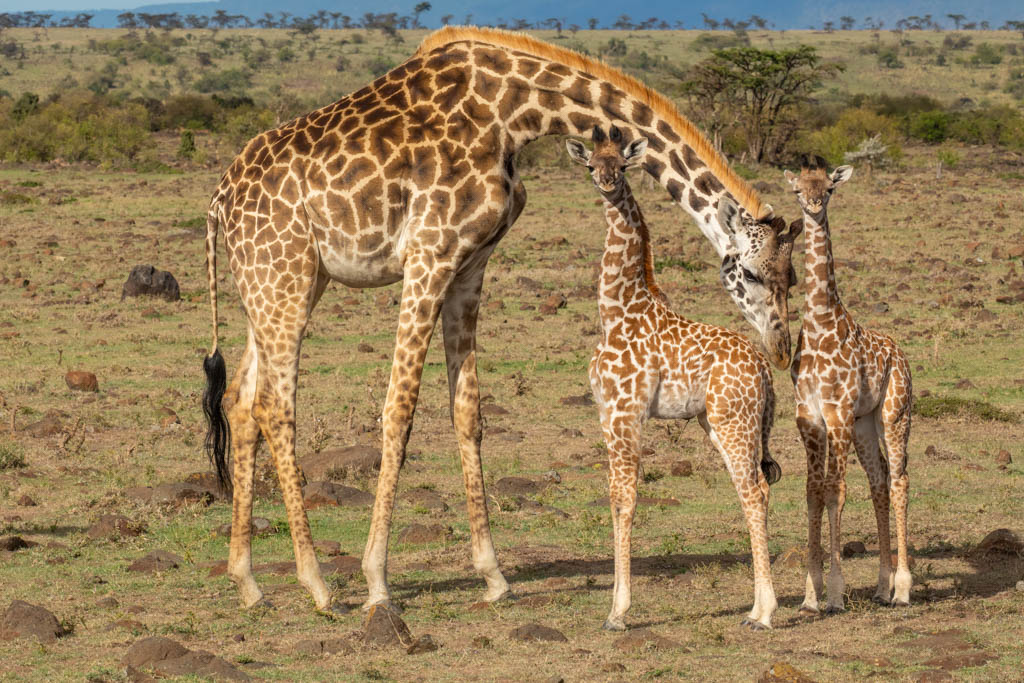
228 80
986 54
189 111
1015 83
853 127
378 65
929 126
1003 126
889 58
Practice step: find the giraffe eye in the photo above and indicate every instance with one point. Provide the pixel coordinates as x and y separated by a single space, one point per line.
590 168
750 277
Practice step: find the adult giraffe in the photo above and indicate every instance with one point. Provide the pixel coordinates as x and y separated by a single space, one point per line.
413 178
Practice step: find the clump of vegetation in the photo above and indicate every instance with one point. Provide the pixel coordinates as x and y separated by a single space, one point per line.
11 457
943 406
226 81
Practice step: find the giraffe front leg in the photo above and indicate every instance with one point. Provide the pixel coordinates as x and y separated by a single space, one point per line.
459 316
622 433
895 421
422 294
813 435
839 420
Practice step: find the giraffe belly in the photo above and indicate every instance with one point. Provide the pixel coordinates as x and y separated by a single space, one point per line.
344 263
676 401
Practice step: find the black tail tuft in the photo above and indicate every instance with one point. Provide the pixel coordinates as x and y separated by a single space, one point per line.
218 434
771 469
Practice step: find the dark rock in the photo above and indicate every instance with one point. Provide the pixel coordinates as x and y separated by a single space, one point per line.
26 500
425 498
965 384
179 494
682 468
424 643
571 433
880 307
582 400
343 564
421 533
25 620
208 482
383 626
644 639
114 526
1000 542
140 494
336 464
201 664
12 543
791 558
517 486
640 500
363 347
853 548
1002 458
492 409
107 603
148 281
259 526
533 507
613 668
528 283
326 547
553 303
534 632
482 642
80 380
156 561
318 493
152 649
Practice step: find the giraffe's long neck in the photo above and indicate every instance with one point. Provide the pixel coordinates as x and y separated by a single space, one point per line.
822 305
556 92
627 283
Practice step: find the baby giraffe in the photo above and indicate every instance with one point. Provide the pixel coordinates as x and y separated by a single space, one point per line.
653 363
852 387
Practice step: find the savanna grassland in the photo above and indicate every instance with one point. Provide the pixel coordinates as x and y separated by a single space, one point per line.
928 248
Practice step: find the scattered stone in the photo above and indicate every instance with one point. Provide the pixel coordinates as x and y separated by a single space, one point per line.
553 303
260 526
385 299
782 672
613 667
644 639
27 501
12 543
49 425
319 648
339 463
934 676
424 643
533 507
1002 458
383 626
180 494
965 384
25 620
517 486
528 283
534 632
148 281
880 307
140 494
570 433
319 493
582 400
682 468
425 498
107 603
640 500
343 564
853 548
326 547
1000 542
483 642
128 625
80 380
492 409
960 660
156 561
363 347
115 526
421 533
791 558
1020 586
553 477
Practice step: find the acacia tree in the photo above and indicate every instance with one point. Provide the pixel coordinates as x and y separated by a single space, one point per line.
761 89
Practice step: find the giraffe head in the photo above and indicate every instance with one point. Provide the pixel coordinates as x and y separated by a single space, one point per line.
757 272
814 186
610 159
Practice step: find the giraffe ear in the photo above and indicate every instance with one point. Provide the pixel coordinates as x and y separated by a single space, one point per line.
728 214
841 175
577 151
791 178
634 152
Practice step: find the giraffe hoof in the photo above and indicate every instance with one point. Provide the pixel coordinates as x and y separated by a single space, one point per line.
335 609
834 609
808 612
262 605
899 603
754 625
616 626
507 596
880 600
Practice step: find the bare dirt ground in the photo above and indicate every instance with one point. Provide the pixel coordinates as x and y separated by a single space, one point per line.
936 263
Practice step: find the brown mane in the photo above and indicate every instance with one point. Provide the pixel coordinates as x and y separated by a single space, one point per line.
747 196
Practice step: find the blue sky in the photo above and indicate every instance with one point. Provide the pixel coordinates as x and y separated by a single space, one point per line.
71 5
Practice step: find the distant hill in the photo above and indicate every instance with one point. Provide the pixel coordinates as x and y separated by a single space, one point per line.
786 14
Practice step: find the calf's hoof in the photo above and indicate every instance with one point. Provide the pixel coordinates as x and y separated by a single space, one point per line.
754 625
616 625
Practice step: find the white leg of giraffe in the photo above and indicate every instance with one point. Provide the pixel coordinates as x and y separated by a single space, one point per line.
840 440
622 435
865 438
422 293
459 316
813 435
739 450
245 436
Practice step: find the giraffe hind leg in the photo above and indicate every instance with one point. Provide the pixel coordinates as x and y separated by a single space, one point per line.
865 440
894 419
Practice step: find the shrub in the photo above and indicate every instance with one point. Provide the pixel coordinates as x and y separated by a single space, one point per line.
719 41
889 58
11 457
929 126
189 111
850 130
26 105
379 65
989 126
986 54
956 41
1015 83
187 145
229 80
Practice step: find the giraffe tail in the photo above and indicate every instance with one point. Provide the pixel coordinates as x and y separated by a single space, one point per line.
218 433
770 468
